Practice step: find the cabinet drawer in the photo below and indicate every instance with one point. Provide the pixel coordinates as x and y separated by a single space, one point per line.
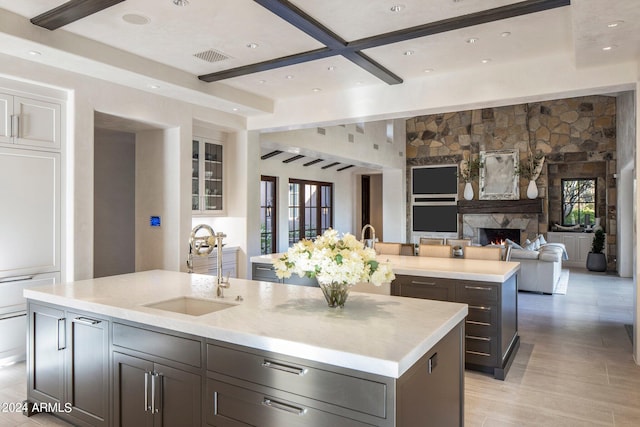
231 405
171 347
476 292
264 272
425 287
359 394
480 350
483 315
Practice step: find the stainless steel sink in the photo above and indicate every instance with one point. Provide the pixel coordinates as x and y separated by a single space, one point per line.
190 306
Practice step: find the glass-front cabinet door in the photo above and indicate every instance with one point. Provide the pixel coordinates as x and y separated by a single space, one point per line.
207 177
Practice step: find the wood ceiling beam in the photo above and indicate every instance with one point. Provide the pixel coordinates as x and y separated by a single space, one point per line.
458 22
352 51
71 11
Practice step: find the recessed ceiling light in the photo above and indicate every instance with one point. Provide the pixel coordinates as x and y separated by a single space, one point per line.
135 19
428 70
358 83
316 89
154 86
252 45
473 40
397 8
615 24
608 48
288 76
331 68
235 108
486 60
408 52
181 2
505 34
34 53
262 81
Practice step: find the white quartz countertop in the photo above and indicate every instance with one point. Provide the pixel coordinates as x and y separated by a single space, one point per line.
447 268
379 334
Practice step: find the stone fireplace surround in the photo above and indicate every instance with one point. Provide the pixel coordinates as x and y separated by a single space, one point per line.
527 224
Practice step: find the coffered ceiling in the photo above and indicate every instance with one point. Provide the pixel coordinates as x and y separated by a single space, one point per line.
179 44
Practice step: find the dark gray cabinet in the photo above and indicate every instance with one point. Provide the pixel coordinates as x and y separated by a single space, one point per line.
491 337
247 387
69 364
110 372
157 378
47 344
152 394
266 273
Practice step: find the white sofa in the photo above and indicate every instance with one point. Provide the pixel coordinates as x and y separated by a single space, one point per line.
540 269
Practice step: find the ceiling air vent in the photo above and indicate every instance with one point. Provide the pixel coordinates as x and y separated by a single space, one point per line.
211 55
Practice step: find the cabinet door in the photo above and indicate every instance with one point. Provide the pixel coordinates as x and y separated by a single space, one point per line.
39 123
88 368
30 211
47 342
6 111
132 391
207 177
177 399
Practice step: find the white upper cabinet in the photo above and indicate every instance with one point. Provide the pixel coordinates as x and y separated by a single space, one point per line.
30 122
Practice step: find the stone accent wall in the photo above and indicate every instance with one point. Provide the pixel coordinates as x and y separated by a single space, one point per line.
577 136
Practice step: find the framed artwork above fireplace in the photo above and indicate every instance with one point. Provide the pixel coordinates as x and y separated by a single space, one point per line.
498 178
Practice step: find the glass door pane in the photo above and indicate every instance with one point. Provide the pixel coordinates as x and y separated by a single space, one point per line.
195 176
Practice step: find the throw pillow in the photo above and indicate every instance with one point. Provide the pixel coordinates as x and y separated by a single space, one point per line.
513 244
542 239
528 245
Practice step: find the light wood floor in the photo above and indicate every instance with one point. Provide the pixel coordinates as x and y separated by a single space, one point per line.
574 366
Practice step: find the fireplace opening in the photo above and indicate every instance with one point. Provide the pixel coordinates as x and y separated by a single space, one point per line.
497 236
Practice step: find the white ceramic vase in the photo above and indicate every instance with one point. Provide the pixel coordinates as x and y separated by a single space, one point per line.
468 191
597 225
532 190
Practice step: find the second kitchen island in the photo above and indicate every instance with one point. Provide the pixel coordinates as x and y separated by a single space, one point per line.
490 288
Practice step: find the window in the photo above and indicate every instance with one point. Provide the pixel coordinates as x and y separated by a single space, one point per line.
578 201
268 210
310 209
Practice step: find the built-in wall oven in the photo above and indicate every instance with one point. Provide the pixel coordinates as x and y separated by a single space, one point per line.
13 313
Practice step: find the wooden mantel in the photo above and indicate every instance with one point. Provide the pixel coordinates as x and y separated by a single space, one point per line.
522 206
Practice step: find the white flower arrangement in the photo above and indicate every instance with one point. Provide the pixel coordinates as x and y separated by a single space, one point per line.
334 259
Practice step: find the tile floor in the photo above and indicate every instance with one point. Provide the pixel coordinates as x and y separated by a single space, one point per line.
574 366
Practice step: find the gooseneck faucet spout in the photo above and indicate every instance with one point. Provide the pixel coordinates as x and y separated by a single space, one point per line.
373 235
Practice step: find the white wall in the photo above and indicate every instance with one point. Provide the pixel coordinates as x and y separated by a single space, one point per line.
626 147
114 201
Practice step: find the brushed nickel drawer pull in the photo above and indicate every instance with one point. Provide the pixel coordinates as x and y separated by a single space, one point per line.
285 368
283 406
62 333
475 322
87 321
15 279
417 282
478 353
471 337
264 268
478 288
146 391
476 307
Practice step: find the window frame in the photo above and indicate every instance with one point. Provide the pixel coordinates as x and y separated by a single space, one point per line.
270 211
580 202
298 229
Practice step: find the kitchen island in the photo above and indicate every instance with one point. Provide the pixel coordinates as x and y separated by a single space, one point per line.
132 349
490 288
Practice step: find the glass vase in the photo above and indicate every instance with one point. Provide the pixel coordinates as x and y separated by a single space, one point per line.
335 293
